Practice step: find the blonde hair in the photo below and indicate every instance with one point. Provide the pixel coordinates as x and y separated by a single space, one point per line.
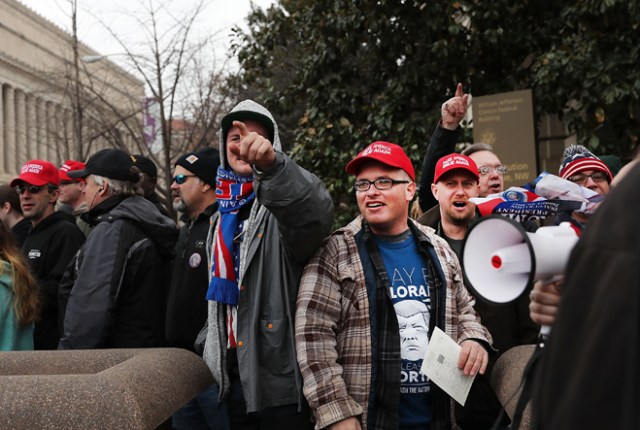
26 298
415 212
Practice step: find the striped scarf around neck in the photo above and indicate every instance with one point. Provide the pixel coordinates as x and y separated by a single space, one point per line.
233 192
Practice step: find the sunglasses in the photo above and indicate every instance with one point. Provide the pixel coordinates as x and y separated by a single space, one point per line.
33 189
181 179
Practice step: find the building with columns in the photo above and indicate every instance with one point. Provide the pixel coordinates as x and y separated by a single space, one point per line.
54 106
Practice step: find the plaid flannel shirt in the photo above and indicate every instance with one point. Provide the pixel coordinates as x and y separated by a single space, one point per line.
333 330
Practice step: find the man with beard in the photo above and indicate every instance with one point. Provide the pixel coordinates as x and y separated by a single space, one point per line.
455 182
194 195
457 179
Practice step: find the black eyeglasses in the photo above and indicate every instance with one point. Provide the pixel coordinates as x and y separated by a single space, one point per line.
181 179
381 184
33 189
485 170
581 178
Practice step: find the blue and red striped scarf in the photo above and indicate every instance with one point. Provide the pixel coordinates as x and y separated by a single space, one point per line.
232 192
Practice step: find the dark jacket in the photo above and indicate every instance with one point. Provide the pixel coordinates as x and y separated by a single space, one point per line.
187 303
120 278
443 142
588 376
509 324
20 231
155 199
49 247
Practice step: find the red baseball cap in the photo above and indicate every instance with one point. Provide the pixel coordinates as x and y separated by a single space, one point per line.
70 166
37 172
455 161
386 153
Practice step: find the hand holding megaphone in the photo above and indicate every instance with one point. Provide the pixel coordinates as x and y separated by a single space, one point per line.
545 299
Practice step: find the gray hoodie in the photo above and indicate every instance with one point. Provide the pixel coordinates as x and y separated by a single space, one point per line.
292 214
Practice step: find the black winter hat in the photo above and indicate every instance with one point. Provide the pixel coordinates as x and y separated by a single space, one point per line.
145 164
109 163
203 163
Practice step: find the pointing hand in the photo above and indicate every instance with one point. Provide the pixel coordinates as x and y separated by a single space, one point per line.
254 148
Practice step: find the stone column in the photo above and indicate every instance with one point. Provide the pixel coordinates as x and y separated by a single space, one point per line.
10 129
41 130
10 163
69 136
50 126
30 126
21 128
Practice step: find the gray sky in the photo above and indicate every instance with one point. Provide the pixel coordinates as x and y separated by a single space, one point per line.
216 19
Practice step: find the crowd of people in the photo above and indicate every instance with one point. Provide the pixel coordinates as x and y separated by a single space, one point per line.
300 326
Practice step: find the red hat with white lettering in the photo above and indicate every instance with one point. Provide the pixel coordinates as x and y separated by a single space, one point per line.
37 172
70 166
455 161
386 153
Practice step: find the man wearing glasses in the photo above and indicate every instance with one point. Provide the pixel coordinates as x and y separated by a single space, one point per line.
50 245
579 165
357 372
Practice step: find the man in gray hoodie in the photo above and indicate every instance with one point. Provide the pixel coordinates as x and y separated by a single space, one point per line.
272 217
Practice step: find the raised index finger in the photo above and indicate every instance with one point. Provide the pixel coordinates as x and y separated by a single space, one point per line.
459 90
242 128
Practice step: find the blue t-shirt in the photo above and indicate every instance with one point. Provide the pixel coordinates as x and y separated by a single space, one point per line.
409 279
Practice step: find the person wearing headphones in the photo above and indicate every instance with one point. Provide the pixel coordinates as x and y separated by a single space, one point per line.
114 291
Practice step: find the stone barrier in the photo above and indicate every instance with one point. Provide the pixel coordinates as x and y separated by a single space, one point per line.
97 389
506 380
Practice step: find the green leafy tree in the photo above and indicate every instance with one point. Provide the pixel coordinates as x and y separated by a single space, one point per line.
589 74
341 74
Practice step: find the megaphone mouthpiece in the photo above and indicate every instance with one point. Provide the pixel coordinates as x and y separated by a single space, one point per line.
500 260
512 259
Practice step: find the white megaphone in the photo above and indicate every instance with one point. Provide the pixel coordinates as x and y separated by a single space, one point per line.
501 260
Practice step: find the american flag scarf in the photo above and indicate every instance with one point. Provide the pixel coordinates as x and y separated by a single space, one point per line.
232 192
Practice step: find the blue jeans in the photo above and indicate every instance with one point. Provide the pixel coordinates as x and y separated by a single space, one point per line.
203 412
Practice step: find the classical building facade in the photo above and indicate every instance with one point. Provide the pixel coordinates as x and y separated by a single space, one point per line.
54 106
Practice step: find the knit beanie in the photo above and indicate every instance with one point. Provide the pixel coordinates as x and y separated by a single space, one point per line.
203 163
577 158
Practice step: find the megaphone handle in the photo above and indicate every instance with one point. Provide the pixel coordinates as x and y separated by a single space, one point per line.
545 330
